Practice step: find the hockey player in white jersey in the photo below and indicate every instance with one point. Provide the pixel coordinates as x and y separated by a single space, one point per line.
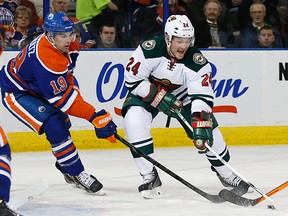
167 73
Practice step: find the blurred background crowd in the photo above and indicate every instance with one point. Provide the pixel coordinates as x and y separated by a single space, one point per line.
126 23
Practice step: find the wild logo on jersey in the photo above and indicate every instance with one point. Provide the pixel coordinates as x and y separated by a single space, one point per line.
199 58
149 45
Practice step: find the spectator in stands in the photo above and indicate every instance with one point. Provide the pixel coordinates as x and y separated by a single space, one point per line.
238 12
213 32
266 37
63 5
34 16
16 35
272 16
93 13
107 37
60 5
249 34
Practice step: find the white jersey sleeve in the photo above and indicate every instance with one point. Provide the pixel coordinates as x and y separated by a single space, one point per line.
137 73
200 89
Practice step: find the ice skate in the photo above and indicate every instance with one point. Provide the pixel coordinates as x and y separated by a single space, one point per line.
86 182
151 187
83 181
5 210
235 182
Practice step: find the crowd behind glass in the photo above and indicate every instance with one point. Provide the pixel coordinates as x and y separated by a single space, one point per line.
126 23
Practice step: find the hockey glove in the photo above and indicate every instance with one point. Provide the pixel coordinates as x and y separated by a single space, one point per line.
105 128
202 131
163 100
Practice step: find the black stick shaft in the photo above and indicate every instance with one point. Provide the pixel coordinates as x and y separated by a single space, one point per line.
212 198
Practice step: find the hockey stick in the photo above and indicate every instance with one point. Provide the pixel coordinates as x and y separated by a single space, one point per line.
222 160
242 201
210 197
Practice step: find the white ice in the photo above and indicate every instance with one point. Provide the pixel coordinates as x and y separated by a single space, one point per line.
264 166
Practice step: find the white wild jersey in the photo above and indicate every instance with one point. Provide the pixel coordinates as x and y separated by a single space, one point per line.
188 79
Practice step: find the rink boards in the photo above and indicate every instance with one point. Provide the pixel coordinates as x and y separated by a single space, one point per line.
163 137
250 99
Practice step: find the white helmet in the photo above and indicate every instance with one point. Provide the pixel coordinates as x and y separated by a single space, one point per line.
179 26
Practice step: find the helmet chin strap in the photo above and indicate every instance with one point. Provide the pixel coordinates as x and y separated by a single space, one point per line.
168 43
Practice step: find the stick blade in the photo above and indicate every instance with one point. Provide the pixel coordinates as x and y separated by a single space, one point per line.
236 199
31 192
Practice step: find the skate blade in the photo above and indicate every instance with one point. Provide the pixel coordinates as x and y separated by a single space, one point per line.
98 193
153 194
101 192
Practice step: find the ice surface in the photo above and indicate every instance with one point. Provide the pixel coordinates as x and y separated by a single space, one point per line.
264 166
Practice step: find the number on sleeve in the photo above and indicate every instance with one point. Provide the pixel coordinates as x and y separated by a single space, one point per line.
133 67
207 79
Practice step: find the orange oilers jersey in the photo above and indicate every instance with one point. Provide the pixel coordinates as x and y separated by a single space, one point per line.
45 72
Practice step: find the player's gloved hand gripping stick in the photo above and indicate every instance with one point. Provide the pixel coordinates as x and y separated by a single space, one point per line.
205 141
105 128
202 130
161 99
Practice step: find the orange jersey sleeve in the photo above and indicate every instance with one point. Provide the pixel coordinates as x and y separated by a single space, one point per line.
81 108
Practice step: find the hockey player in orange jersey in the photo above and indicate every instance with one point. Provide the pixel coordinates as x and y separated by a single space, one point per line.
39 89
5 169
5 175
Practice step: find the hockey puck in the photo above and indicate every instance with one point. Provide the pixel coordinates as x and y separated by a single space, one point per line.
271 207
